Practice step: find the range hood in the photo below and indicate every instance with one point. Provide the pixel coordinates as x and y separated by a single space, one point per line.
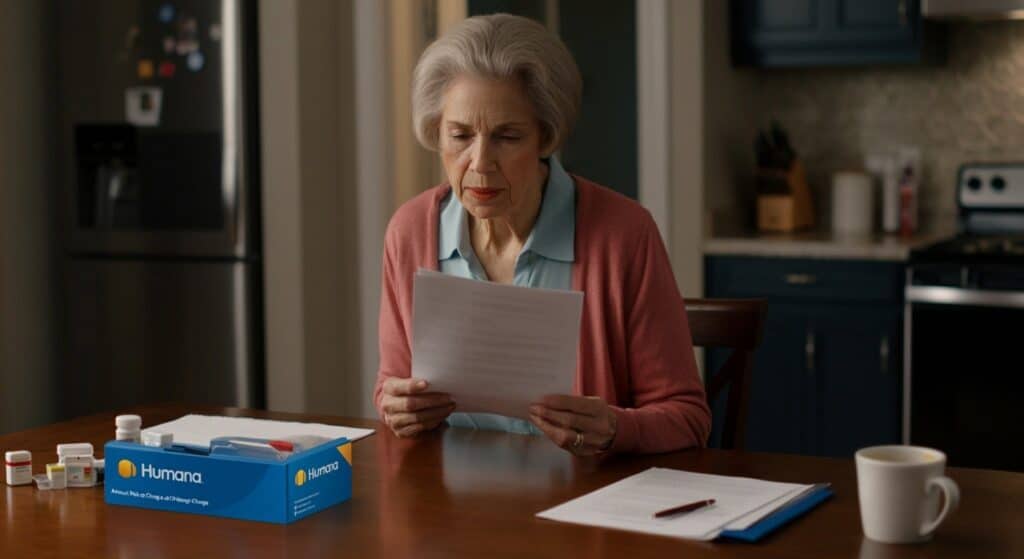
972 9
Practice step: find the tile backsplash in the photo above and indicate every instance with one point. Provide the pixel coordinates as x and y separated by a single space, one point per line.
971 108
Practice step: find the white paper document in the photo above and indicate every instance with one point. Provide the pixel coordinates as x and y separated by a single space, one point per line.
495 348
630 504
199 429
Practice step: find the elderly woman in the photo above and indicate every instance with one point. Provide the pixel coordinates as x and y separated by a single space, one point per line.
497 97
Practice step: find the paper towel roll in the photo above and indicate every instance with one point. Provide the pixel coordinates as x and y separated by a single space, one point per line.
853 199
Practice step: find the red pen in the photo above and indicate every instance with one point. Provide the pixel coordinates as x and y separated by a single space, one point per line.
684 508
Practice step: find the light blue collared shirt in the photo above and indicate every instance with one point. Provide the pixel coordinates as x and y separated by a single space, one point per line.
545 261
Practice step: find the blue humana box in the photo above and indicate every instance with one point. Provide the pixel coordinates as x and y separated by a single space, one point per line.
268 490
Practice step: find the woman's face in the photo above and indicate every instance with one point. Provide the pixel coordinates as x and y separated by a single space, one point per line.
490 143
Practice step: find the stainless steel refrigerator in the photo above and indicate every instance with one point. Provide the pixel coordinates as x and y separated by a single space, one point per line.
160 201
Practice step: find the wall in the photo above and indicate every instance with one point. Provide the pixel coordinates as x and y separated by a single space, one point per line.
686 150
727 100
27 294
969 109
309 182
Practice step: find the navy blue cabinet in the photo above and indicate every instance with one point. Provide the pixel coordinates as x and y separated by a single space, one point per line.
828 377
770 33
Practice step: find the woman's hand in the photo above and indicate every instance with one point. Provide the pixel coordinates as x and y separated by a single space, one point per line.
409 409
583 425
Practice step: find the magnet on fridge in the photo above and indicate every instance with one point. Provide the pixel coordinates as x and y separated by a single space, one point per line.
187 46
215 31
166 13
142 105
195 61
169 44
167 69
145 67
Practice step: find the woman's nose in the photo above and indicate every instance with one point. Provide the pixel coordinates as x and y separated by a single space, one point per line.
482 157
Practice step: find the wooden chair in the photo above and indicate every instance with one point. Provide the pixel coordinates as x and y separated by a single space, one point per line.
736 324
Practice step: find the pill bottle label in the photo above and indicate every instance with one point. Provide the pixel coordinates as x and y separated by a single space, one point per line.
19 475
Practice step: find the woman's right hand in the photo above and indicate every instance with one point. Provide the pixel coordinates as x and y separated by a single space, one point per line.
409 409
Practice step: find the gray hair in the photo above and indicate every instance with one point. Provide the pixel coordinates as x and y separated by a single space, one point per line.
500 46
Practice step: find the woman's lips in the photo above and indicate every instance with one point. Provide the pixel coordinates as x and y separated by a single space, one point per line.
483 193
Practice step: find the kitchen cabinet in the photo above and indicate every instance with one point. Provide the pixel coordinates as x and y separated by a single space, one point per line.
827 378
774 33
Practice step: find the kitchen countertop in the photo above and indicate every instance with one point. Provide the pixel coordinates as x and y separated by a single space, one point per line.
819 244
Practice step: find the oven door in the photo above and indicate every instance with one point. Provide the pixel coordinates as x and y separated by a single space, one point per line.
965 375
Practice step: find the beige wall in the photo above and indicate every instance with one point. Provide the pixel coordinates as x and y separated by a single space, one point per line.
27 290
309 215
687 170
728 95
413 26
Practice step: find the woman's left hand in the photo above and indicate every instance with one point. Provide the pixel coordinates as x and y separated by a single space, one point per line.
583 425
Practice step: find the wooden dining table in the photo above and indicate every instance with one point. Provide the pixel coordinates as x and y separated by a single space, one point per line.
464 493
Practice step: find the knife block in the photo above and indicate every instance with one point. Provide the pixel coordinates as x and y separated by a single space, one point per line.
784 200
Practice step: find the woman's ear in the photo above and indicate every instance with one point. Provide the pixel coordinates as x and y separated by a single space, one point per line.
547 141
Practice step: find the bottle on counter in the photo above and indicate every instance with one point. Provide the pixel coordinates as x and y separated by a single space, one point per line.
909 164
885 170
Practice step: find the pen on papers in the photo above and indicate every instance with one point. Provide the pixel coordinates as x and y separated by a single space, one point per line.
684 508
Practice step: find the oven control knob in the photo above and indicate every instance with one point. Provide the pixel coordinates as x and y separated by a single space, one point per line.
998 183
974 183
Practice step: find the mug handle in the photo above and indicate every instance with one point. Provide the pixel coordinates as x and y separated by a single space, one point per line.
951 491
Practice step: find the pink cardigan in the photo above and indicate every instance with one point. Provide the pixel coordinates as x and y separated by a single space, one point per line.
635 349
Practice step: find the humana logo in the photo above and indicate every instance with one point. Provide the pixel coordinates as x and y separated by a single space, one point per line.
313 473
167 474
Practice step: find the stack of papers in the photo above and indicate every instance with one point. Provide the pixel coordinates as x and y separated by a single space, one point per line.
495 348
199 429
630 504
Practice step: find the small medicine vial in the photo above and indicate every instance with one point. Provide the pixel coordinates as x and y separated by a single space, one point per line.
129 428
19 467
57 476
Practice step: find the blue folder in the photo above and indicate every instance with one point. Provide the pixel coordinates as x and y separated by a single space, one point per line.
779 518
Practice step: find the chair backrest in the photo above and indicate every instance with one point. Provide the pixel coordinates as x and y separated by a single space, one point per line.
735 324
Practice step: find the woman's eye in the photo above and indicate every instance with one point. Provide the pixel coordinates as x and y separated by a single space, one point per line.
509 138
460 136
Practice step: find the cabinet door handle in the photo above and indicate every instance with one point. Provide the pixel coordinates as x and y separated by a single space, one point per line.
901 8
800 279
883 355
810 351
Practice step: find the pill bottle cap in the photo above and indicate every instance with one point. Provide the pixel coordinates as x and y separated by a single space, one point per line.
18 456
131 422
74 449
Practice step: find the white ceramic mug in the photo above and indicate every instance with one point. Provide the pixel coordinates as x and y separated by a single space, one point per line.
899 490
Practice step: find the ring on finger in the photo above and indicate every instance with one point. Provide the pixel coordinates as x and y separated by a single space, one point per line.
578 443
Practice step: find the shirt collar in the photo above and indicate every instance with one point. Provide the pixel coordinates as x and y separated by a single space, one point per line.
553 235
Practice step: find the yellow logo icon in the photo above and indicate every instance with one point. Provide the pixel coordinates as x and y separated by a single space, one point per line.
300 478
126 469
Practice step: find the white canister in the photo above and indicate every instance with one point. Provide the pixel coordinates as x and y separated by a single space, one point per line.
853 202
18 465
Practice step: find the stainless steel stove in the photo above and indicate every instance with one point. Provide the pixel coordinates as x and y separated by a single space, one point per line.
964 354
